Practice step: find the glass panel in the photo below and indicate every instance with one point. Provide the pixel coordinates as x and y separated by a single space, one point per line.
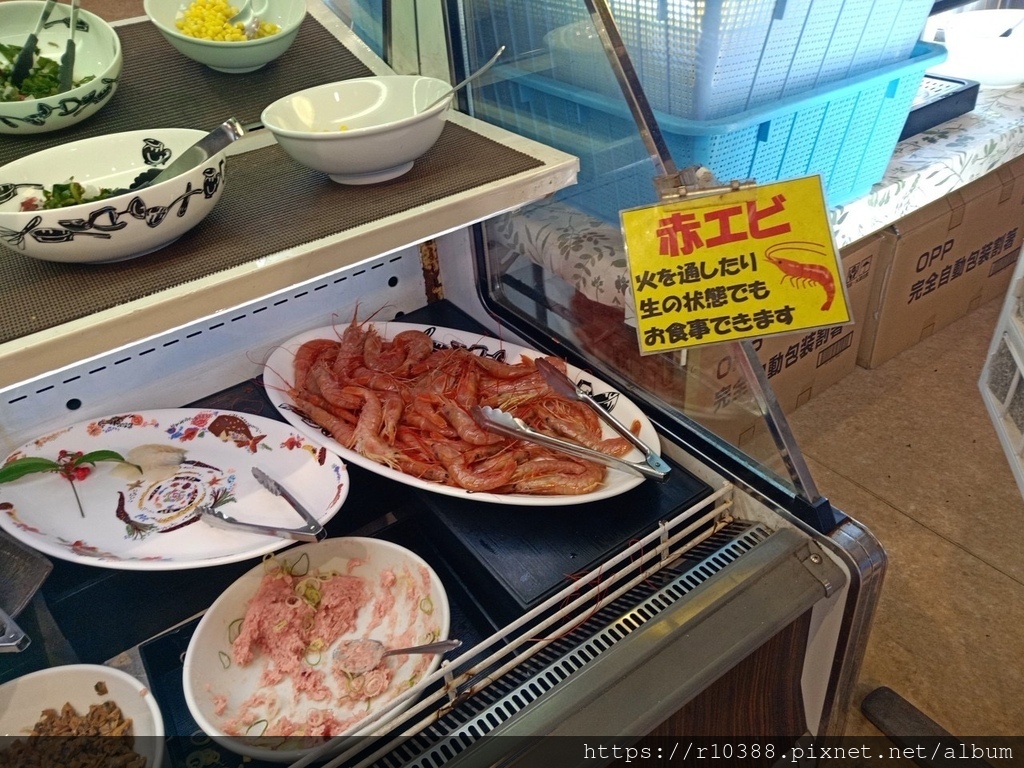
560 265
367 19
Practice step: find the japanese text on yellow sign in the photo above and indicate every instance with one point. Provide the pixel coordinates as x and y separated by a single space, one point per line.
747 263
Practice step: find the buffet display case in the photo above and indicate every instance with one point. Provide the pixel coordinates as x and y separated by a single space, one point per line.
730 602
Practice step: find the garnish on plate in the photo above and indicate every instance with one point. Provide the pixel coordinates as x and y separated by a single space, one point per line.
70 465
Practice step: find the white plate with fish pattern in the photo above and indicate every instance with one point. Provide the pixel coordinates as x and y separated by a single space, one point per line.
279 370
117 517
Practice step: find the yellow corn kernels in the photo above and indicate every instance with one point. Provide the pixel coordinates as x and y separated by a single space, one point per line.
208 20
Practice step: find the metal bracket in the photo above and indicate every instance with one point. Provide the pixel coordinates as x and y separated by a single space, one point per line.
695 181
12 639
815 562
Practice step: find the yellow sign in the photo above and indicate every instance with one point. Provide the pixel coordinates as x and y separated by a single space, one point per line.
740 264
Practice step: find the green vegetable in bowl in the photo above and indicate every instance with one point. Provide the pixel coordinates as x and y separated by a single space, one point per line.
64 195
73 193
43 79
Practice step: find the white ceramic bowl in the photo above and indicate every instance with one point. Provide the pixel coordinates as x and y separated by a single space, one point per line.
230 56
121 227
976 50
97 53
412 611
360 131
23 700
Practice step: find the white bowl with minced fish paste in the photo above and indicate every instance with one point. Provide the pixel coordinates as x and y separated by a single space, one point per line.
23 700
97 68
287 616
114 227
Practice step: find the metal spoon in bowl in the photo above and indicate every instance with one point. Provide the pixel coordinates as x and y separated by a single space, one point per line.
1009 31
249 17
468 80
357 657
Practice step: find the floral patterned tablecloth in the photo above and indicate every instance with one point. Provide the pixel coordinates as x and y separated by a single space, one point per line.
588 253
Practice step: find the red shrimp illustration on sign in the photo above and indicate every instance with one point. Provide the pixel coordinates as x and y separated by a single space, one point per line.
803 273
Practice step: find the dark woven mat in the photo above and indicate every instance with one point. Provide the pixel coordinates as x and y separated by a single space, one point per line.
160 88
269 203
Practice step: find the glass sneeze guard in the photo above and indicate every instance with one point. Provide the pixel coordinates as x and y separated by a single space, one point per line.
556 271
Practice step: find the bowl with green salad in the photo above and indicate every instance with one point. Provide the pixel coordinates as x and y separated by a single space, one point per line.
93 200
37 104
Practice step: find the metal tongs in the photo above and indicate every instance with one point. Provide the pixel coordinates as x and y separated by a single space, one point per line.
67 61
496 420
22 64
311 531
565 386
12 638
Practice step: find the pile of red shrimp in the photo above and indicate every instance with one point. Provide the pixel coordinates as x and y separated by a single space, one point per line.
406 404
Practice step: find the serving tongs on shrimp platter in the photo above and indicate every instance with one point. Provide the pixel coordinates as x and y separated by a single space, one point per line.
312 531
502 423
566 387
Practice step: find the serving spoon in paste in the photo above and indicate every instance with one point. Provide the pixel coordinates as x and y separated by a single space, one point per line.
357 657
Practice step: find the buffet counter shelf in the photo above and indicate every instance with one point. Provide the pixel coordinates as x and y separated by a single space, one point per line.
209 290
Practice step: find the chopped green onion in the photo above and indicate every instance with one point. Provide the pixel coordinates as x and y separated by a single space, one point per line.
234 630
264 723
225 660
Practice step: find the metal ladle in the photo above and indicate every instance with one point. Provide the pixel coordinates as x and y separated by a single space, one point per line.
357 657
465 82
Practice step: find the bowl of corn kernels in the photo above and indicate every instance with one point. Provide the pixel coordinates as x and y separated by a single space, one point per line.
203 31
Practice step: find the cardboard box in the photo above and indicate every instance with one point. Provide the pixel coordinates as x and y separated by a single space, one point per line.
945 260
798 365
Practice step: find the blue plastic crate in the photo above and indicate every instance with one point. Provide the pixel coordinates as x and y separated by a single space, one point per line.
715 58
845 132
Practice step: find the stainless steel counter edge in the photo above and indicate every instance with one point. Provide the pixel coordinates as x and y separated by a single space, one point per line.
640 682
